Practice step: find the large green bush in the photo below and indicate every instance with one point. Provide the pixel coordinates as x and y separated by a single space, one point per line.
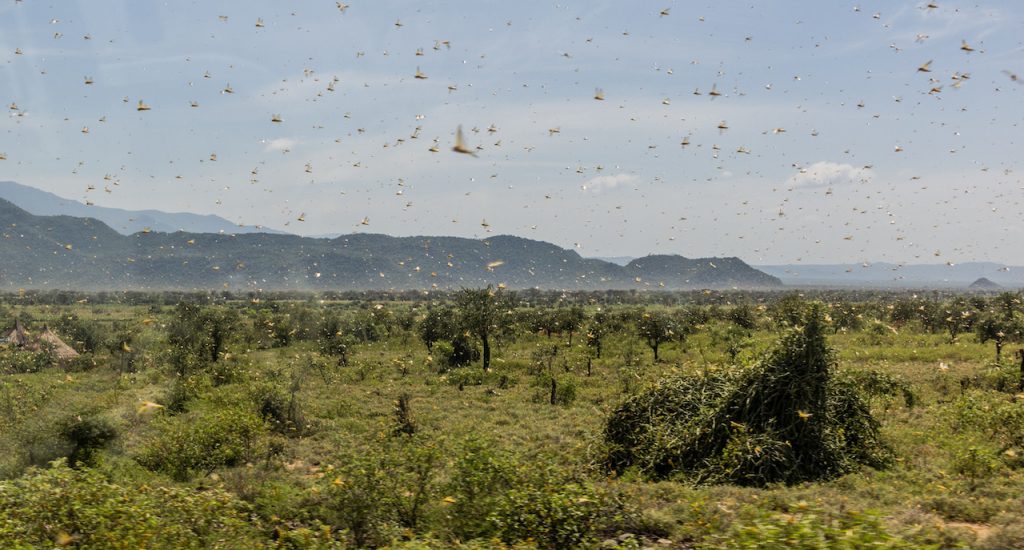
184 446
787 419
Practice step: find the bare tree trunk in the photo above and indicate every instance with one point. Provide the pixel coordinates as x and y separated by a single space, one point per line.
487 353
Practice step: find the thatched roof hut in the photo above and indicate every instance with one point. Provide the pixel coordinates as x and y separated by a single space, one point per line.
16 337
21 339
57 346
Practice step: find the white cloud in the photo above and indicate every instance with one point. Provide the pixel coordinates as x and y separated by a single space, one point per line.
279 144
825 173
608 182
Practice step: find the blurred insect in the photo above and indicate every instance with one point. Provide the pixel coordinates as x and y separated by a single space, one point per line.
460 143
148 407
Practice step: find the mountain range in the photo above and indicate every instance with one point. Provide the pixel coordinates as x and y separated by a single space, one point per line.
86 254
126 222
122 256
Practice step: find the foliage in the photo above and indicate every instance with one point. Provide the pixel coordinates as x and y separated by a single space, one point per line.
85 337
784 420
198 335
182 447
332 340
808 529
657 327
553 514
484 313
15 362
59 506
86 435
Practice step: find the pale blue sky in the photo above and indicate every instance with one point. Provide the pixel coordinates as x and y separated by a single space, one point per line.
841 78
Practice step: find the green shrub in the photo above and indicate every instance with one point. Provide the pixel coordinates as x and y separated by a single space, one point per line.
787 419
552 513
976 464
479 476
561 392
183 390
356 497
874 384
457 352
810 530
997 417
81 363
280 409
21 362
59 506
86 435
186 446
374 493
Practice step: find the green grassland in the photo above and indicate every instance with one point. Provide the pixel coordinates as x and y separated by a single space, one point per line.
276 439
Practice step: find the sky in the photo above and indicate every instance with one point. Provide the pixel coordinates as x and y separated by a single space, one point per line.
838 132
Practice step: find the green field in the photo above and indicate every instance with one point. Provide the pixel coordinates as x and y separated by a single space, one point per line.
301 421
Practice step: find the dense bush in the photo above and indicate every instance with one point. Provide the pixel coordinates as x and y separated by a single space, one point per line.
20 362
86 434
185 446
786 419
59 506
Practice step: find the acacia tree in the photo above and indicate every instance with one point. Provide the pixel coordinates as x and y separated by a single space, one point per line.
597 328
485 312
198 335
571 320
436 325
1000 328
658 327
332 339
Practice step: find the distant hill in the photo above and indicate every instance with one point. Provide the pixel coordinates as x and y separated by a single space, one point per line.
702 272
126 222
84 253
887 275
985 284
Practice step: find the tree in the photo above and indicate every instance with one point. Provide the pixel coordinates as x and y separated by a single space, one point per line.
658 327
198 335
484 312
332 340
597 328
570 320
959 317
436 325
1000 328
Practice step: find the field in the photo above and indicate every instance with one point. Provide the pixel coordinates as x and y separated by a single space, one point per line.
315 421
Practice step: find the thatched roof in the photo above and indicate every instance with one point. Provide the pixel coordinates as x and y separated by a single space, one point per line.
16 336
59 348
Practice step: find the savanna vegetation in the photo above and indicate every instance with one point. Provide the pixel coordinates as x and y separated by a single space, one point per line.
486 418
